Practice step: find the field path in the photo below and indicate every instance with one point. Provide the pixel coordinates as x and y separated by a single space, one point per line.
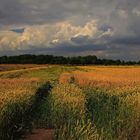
40 134
20 70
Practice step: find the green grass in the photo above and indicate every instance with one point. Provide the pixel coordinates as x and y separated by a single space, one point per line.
115 116
51 73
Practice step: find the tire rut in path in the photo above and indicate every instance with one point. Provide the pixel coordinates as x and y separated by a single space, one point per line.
40 134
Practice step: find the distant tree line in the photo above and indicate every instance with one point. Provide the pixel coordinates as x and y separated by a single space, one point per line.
50 59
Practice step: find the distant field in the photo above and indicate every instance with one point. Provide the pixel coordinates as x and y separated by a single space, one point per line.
77 102
106 76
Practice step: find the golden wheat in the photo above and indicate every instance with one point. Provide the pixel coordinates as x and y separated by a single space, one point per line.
105 76
12 90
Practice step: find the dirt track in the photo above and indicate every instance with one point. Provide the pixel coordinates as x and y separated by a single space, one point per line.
40 134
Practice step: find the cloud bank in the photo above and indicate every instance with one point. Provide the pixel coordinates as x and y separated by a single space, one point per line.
106 28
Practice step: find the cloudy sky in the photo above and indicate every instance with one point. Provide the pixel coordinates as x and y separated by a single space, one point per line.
105 28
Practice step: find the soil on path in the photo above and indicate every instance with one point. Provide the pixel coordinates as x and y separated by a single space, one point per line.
40 134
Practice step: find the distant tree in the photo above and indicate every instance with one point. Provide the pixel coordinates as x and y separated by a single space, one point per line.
50 59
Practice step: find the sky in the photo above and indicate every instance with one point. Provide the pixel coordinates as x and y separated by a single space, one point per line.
105 28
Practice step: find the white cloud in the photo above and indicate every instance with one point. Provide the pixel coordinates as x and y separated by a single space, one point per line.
137 12
123 14
109 33
45 34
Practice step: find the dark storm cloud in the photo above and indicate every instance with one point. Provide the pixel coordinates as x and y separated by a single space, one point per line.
40 11
127 41
11 12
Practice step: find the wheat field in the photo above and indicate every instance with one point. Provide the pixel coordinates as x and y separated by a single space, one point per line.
112 76
78 103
